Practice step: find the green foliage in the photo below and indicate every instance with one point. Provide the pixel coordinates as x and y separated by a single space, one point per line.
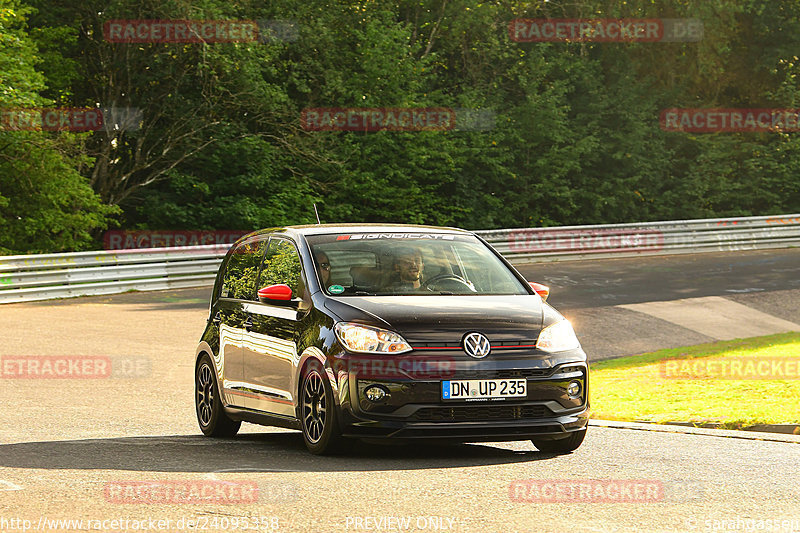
19 82
242 270
576 136
281 265
46 205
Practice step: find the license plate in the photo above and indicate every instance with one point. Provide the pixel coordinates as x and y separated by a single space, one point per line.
484 389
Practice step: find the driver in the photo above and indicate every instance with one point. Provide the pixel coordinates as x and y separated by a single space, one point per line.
407 267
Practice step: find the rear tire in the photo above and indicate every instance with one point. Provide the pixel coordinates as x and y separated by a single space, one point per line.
570 444
318 412
211 415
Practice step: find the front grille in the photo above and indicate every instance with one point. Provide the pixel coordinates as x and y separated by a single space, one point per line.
467 413
504 345
502 374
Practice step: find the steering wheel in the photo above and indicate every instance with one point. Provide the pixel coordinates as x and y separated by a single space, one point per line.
451 277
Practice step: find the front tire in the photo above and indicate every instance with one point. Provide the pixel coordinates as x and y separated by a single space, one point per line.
570 444
319 417
211 415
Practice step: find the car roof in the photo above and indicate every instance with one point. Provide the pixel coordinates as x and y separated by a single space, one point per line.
332 229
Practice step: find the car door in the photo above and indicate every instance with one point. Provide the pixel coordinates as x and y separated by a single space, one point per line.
269 346
237 290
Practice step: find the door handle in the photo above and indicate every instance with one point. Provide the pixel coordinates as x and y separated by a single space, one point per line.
248 324
217 319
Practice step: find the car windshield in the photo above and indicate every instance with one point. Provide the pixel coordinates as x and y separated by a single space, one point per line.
358 264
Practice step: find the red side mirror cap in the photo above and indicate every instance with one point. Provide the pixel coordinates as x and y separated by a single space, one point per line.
280 292
541 290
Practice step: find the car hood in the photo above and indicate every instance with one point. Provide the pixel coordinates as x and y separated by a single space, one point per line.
445 319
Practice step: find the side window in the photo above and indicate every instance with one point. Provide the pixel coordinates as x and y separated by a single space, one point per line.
282 265
239 280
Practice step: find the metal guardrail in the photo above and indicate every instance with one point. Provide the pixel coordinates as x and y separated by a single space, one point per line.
47 276
529 245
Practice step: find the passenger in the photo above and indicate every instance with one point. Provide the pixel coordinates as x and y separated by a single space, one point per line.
324 267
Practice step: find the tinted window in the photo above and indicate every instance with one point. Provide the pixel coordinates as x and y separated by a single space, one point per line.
282 265
471 261
413 263
241 272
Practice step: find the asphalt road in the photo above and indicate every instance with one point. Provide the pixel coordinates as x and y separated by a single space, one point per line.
611 282
613 302
84 449
690 483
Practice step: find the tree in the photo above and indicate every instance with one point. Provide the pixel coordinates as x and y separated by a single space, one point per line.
45 203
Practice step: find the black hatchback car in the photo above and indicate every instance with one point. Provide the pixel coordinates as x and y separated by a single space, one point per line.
386 332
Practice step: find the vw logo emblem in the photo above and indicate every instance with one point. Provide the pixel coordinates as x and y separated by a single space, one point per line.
476 345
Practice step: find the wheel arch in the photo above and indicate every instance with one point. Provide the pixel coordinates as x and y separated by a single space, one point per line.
312 353
205 349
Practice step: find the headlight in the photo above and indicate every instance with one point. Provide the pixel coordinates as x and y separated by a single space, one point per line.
366 339
558 337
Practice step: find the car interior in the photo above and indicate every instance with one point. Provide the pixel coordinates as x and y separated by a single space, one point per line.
369 271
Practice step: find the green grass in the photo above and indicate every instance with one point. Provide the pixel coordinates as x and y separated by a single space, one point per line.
633 388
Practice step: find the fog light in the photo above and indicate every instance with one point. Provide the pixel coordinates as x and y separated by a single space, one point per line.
574 389
375 393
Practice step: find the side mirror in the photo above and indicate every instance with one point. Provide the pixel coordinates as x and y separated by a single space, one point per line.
541 290
279 293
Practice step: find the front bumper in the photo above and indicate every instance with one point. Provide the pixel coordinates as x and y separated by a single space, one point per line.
414 408
478 431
